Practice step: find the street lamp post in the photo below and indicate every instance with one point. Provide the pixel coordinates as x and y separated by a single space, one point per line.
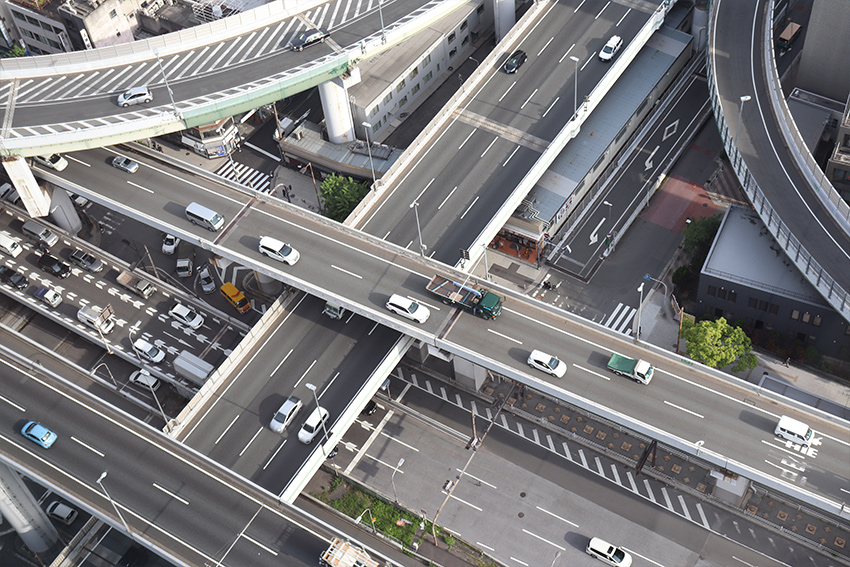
415 206
371 517
575 91
477 62
392 478
381 14
165 78
640 310
94 370
312 388
368 127
650 278
744 99
133 330
114 505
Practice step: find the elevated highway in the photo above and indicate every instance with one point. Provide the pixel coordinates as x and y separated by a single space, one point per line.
795 201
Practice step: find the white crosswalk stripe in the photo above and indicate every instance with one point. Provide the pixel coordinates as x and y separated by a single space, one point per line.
244 175
621 319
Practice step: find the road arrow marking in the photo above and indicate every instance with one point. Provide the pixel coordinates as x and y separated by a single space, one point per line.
593 236
648 162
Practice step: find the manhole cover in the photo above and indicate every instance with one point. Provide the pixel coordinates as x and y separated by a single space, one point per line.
521 515
522 494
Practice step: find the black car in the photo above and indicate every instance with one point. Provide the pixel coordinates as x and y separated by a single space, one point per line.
13 277
308 38
370 408
54 266
515 61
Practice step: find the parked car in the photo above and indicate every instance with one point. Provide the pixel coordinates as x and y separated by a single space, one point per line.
136 95
515 61
53 161
169 244
308 38
54 266
144 380
86 261
547 363
62 512
13 277
125 164
48 295
206 280
186 315
39 434
408 308
611 48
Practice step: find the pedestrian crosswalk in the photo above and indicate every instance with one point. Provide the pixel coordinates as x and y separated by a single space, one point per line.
245 175
620 319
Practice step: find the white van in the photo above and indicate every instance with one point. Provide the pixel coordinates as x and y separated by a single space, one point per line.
314 424
40 232
795 431
148 351
202 216
10 245
90 315
274 248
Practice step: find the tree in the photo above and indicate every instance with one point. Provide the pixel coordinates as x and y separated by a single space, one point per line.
340 195
698 236
717 344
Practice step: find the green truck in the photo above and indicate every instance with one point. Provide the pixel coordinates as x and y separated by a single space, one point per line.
480 301
636 369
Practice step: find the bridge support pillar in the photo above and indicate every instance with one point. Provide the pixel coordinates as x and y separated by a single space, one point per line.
268 285
504 17
337 110
19 506
40 200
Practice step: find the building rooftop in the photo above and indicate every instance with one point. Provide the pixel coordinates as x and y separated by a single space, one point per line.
745 252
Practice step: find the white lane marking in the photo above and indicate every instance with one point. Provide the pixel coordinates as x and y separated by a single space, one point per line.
744 562
685 507
305 372
137 186
399 441
260 545
542 49
275 454
616 474
346 272
534 92
573 524
464 502
276 368
490 146
518 561
632 482
667 498
633 552
683 409
566 53
226 429
504 336
516 149
702 516
583 458
493 486
602 10
328 386
89 447
452 192
443 393
470 206
618 23
567 450
554 102
249 442
467 139
543 539
160 488
599 467
423 191
478 543
13 404
372 330
507 91
649 491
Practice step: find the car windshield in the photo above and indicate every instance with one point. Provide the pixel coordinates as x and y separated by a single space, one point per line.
554 362
619 555
413 307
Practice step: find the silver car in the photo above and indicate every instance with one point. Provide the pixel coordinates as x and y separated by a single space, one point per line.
136 95
125 164
284 416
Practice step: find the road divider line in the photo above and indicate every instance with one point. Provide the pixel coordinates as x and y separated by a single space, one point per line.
470 206
13 404
573 524
347 272
543 539
504 336
226 429
89 447
260 545
493 486
245 448
309 368
452 192
684 410
161 489
275 454
453 497
518 561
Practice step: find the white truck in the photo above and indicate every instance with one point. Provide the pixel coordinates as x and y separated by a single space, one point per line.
346 554
192 368
139 286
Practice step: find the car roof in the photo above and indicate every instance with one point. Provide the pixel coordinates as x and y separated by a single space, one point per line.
401 300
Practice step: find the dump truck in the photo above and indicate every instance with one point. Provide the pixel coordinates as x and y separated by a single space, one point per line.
139 286
481 302
346 554
636 369
192 368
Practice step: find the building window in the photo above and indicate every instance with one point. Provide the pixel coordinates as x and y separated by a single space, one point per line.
377 124
452 53
113 14
388 98
763 305
816 320
733 296
402 102
374 111
464 25
465 40
32 21
795 315
428 76
480 9
46 27
426 60
753 303
413 73
721 293
452 37
712 290
774 309
18 16
400 86
806 317
414 89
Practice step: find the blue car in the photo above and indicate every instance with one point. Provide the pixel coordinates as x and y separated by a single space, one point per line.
38 433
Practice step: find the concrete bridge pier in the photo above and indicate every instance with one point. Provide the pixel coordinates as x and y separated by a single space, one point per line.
18 505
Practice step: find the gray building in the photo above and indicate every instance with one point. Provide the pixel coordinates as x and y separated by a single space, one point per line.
747 277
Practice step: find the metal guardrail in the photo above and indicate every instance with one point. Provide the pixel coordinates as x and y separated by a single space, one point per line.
816 274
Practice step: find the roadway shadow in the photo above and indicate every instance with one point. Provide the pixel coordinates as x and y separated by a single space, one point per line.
759 421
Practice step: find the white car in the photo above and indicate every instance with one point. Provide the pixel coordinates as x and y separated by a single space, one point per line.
169 244
206 280
148 351
284 416
408 308
314 425
186 315
61 512
547 363
53 161
274 248
607 553
136 95
144 380
611 48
